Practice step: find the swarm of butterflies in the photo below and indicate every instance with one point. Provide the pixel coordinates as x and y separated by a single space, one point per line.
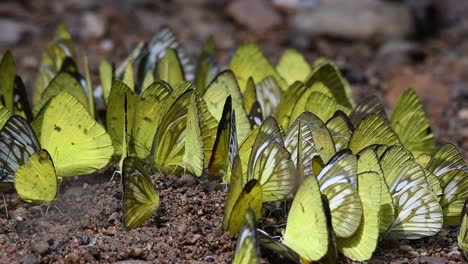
286 137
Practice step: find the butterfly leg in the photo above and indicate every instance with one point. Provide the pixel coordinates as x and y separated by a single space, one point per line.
58 209
5 204
115 173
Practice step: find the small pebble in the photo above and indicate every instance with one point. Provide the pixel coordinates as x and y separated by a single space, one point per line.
72 258
186 180
113 217
463 114
413 254
195 238
405 248
29 259
112 230
85 239
40 247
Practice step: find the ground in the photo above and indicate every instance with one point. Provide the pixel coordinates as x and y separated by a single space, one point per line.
84 224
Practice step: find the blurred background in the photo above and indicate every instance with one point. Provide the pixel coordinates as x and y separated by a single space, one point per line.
382 47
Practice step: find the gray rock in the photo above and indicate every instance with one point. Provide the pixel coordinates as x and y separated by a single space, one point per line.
434 260
40 247
92 25
74 191
13 31
29 259
186 180
258 16
365 20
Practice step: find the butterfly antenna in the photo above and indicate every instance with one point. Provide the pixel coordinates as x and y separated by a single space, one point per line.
5 204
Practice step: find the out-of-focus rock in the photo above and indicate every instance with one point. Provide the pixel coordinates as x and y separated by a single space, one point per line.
259 16
451 11
365 20
434 260
12 31
393 54
92 25
41 247
293 5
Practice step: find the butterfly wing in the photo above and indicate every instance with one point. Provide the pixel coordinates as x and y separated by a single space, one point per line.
249 61
368 161
292 66
340 128
140 199
372 130
77 143
17 143
247 250
224 85
462 237
35 180
417 214
411 125
225 147
309 241
362 244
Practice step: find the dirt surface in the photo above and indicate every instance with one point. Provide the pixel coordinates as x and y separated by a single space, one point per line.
186 228
85 225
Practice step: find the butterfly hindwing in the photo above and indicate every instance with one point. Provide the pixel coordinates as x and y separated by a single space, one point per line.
141 199
36 180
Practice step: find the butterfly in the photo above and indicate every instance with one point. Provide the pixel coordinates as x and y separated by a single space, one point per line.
268 161
361 245
141 198
17 143
268 96
301 241
292 66
368 161
225 147
372 130
340 128
36 179
224 85
185 135
326 72
163 40
76 142
52 59
338 182
67 79
447 164
207 65
243 196
24 164
247 249
462 237
411 125
252 105
12 90
249 61
417 210
316 141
